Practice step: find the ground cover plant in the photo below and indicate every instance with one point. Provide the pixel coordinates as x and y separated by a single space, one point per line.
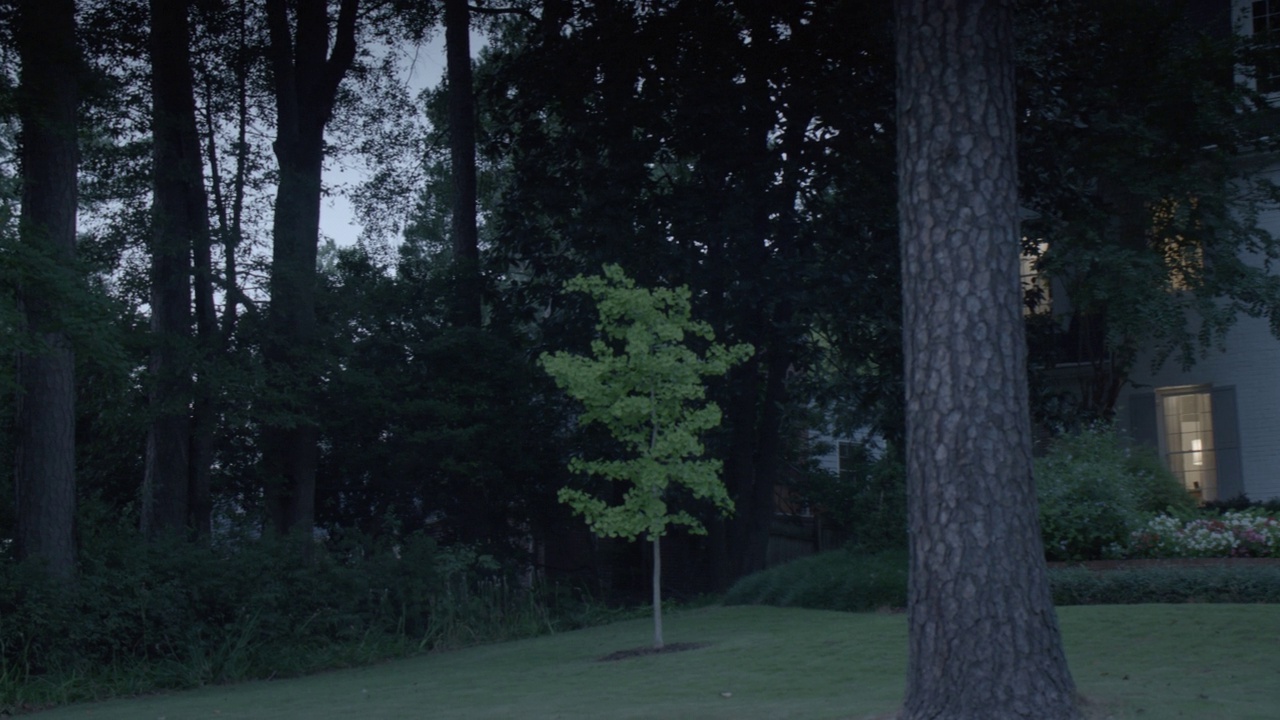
1187 661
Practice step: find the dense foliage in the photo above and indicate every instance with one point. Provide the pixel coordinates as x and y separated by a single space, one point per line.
866 501
838 580
644 383
170 614
1094 489
743 150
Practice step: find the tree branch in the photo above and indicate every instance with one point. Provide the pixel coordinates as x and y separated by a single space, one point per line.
522 12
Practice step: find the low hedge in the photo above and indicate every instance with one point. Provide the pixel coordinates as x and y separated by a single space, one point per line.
841 580
1217 584
837 580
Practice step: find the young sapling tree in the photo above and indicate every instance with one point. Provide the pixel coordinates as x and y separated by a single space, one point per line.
644 384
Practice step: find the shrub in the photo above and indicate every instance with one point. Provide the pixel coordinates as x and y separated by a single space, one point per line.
866 502
1078 586
837 580
1249 533
146 616
1155 488
1242 502
1093 490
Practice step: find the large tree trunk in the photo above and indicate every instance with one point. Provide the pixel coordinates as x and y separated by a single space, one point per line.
984 640
44 472
181 232
462 160
306 77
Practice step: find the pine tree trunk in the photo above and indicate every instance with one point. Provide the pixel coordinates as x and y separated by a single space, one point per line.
984 640
306 76
44 468
181 233
462 160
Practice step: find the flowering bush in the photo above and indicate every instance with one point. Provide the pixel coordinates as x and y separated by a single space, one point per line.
1246 533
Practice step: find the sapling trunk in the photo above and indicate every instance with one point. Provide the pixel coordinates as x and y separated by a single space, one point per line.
657 547
657 594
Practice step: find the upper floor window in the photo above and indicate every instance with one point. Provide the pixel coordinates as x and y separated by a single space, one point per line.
1035 286
1173 229
1261 18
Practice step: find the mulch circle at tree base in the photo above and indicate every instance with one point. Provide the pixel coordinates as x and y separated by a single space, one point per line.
642 651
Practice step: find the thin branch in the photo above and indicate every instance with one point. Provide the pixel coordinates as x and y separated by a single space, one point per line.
522 12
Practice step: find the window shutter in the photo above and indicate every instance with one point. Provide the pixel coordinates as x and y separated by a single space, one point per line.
1226 443
1142 419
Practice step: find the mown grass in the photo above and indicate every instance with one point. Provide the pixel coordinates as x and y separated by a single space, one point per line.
1213 662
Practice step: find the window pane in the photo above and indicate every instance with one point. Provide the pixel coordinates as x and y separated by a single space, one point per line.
1188 441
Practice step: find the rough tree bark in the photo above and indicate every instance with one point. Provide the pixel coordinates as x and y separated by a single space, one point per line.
984 640
462 161
44 467
306 77
173 493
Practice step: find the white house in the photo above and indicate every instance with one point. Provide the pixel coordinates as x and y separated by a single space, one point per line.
1217 425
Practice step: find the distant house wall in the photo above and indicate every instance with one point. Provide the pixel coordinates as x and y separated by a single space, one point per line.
1250 364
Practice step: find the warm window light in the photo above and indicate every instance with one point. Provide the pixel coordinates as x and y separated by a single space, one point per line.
1035 287
1183 257
1197 454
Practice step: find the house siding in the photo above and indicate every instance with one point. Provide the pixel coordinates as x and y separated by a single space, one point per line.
1249 361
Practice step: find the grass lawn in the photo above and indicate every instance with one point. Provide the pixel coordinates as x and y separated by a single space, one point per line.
1213 662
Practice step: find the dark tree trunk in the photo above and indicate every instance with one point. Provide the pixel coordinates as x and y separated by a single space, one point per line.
756 406
44 472
984 640
172 484
462 160
215 337
306 77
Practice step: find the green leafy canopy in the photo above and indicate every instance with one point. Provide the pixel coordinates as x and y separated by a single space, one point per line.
645 385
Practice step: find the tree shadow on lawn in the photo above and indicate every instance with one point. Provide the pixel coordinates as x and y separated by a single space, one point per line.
643 651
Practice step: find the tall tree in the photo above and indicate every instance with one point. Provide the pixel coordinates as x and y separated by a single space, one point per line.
180 232
703 143
462 157
1131 131
44 474
306 76
984 639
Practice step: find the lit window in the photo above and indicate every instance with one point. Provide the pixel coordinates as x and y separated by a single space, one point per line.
1186 418
1183 256
1264 19
1035 286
